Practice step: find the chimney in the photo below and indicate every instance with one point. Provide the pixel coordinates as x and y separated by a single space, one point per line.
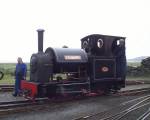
40 40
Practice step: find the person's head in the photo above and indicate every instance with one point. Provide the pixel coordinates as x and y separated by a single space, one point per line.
122 42
19 60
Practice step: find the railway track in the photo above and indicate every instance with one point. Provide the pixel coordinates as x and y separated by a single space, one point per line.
20 106
6 88
122 110
28 105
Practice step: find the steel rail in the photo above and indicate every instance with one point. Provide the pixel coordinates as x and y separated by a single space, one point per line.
144 115
113 108
127 112
121 114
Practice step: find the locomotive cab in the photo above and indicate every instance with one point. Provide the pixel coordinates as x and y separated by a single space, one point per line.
107 61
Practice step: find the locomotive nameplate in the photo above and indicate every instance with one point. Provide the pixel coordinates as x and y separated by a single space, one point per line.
72 57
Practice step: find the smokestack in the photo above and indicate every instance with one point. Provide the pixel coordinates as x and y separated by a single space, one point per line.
40 40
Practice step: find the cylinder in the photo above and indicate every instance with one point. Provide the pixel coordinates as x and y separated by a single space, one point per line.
40 40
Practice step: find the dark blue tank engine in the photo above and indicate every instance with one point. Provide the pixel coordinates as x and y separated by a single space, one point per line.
99 66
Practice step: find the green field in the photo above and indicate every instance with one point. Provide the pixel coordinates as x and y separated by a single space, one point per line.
134 64
8 70
8 79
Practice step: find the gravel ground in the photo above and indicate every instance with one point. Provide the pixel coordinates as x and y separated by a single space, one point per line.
7 96
72 109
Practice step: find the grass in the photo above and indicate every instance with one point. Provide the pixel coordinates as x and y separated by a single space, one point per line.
134 64
8 70
8 79
8 65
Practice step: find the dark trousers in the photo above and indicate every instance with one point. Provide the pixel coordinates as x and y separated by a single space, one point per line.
121 68
17 86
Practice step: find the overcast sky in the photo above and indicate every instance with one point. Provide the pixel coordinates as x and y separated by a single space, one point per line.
67 21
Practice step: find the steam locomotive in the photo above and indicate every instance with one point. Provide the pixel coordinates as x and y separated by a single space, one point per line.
98 66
